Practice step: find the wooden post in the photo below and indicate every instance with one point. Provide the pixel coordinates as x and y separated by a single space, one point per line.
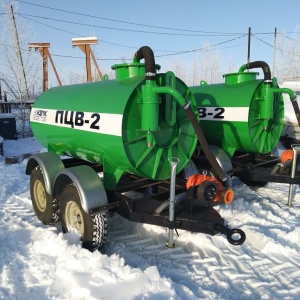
274 53
19 50
84 44
43 52
249 41
53 66
43 48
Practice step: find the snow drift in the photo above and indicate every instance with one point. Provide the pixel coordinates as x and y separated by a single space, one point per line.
39 262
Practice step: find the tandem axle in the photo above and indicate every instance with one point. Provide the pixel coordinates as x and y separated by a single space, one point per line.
70 192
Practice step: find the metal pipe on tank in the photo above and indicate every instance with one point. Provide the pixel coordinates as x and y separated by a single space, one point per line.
293 99
173 164
285 90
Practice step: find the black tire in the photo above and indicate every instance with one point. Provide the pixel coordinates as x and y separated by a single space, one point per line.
93 229
45 206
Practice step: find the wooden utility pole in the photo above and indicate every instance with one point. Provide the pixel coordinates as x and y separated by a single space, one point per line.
43 48
19 49
274 52
84 45
249 42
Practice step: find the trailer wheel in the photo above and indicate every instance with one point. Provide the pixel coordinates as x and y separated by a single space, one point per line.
92 229
45 206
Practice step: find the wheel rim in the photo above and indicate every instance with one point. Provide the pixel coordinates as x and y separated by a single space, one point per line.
74 218
40 195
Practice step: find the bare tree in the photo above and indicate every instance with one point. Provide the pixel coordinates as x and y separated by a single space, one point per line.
194 72
231 66
210 65
77 77
179 69
288 56
14 41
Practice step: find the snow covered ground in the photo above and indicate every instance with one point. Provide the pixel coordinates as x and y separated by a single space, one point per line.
39 262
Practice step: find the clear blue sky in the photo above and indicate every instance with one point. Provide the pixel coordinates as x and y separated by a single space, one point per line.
191 23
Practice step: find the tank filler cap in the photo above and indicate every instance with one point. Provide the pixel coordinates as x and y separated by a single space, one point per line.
129 70
240 77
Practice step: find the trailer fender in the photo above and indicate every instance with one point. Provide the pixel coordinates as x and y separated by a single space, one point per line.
88 183
222 158
50 164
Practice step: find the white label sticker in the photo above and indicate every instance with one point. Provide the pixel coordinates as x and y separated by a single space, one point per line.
233 114
88 121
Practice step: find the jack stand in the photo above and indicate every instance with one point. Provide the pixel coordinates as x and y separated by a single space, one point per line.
173 163
293 171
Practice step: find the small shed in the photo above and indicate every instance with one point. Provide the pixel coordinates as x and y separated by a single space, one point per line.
8 129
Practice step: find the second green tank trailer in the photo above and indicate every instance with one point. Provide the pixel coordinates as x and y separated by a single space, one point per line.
242 120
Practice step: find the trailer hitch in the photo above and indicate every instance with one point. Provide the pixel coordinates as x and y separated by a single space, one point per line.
230 233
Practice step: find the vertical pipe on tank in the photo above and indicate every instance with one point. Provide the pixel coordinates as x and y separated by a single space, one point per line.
149 110
173 164
266 110
150 99
267 96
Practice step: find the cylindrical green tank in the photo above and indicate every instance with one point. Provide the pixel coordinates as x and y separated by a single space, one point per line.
127 124
243 114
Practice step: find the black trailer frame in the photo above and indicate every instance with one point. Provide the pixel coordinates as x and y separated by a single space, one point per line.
189 215
257 169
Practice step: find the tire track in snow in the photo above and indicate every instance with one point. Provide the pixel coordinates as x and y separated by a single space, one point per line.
192 268
207 266
211 259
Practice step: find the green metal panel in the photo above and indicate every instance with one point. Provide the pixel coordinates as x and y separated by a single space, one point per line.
241 115
102 122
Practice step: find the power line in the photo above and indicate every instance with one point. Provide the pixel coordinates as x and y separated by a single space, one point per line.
209 33
201 49
280 49
289 38
218 33
77 23
119 45
163 55
65 56
76 34
126 22
122 29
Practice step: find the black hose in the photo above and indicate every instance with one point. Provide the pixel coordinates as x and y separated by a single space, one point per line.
147 53
264 66
296 109
205 147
